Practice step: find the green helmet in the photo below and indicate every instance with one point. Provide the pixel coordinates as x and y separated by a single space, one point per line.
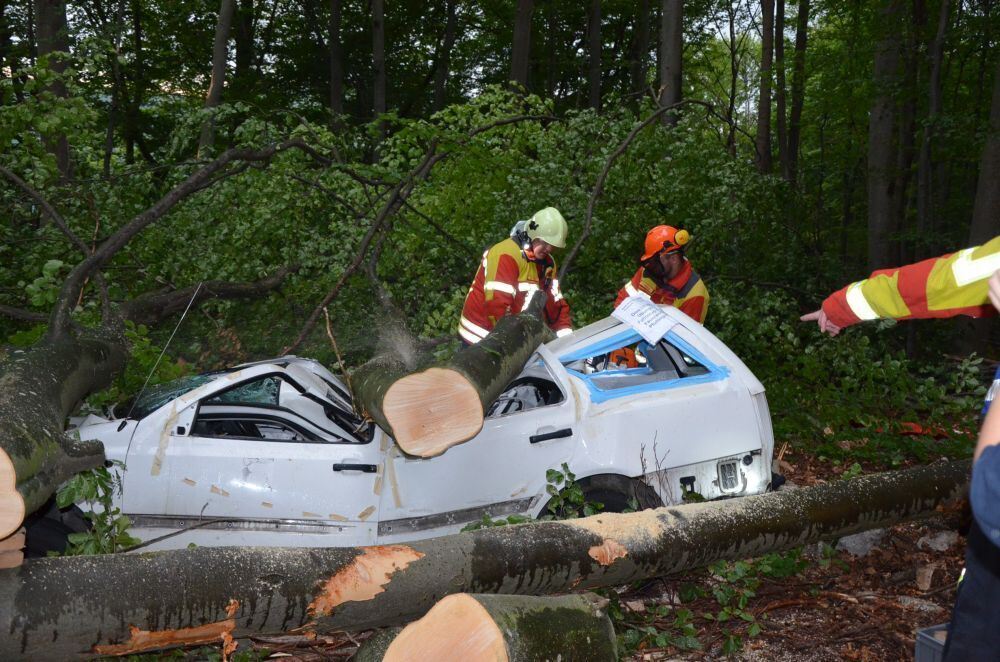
549 226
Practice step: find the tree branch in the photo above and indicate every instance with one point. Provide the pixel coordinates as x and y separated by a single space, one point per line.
23 315
47 208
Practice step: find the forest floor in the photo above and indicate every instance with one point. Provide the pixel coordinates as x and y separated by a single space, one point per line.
818 603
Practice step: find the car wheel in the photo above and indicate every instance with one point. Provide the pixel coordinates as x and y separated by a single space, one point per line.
45 535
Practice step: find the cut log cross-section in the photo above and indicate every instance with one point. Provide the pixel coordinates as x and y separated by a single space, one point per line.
430 411
508 628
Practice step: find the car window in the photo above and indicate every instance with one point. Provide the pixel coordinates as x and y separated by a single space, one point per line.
248 428
262 391
154 397
535 387
637 366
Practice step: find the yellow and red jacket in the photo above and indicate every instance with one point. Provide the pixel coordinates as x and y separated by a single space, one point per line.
945 286
504 284
686 291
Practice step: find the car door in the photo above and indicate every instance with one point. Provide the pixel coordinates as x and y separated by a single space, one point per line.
259 451
501 470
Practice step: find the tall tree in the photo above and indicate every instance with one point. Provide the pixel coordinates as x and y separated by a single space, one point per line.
640 47
52 37
764 96
521 46
780 91
336 60
671 53
594 53
378 57
881 133
925 191
220 54
798 91
442 64
243 35
986 212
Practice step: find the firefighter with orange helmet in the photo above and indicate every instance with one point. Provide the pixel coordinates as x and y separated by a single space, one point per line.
512 272
665 275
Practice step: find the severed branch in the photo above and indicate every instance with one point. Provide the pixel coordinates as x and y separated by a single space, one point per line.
23 315
152 307
212 172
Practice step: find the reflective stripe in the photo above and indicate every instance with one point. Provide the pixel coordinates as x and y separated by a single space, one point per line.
633 291
528 298
859 304
468 337
563 332
557 297
968 270
556 293
499 285
527 287
473 328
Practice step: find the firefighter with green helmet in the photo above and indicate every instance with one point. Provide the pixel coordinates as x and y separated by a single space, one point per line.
512 272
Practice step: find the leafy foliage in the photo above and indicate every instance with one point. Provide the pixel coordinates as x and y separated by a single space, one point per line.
108 527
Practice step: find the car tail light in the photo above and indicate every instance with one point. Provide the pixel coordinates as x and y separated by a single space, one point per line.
729 476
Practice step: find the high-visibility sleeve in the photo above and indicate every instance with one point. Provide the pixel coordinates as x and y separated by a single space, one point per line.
946 286
695 307
500 286
557 315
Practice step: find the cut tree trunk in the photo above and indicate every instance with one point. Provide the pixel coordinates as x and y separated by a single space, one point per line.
508 628
430 411
40 386
68 607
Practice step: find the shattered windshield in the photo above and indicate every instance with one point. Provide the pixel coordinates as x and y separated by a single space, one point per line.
154 397
258 392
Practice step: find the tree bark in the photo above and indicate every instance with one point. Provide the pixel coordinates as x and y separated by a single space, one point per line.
51 33
986 211
520 53
244 37
379 106
220 54
429 411
594 54
442 67
925 165
780 89
509 628
640 49
671 54
62 608
798 91
764 98
881 133
336 62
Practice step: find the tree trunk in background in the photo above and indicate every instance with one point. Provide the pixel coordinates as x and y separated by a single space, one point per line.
5 45
243 35
764 99
62 608
378 56
336 62
734 73
133 120
780 89
986 212
594 54
520 52
925 166
443 68
671 56
640 48
798 91
881 134
220 54
51 37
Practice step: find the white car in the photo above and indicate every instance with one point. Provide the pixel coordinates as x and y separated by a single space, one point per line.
271 453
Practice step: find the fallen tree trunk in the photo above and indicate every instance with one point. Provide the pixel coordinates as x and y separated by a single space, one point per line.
39 387
508 628
65 607
429 411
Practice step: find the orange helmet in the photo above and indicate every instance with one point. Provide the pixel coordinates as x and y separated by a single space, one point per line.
664 238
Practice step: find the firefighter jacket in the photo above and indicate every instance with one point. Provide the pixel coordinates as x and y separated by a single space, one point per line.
953 284
686 291
504 284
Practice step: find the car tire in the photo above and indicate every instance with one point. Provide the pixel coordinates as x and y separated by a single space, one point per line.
45 535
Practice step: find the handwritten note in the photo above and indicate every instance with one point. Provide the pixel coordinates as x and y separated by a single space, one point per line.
645 317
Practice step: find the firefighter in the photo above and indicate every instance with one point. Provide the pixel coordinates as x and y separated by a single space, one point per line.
945 286
510 274
665 275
